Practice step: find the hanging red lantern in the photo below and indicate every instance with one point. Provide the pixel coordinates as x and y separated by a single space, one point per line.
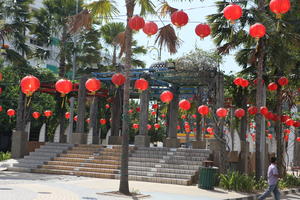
166 96
135 126
239 113
67 115
149 126
221 112
30 84
163 116
150 28
203 110
118 79
1 109
107 106
63 86
257 31
237 81
289 122
252 110
272 86
1 76
270 136
88 120
183 116
141 84
11 112
286 138
269 115
138 109
75 118
36 115
209 129
0 90
187 126
102 121
184 104
298 139
280 7
268 124
202 30
136 23
282 81
275 117
232 12
244 83
264 110
296 124
178 127
153 113
211 133
287 131
179 18
283 118
156 126
93 85
48 113
130 111
155 106
194 116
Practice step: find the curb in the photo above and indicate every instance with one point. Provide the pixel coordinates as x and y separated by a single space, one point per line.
255 196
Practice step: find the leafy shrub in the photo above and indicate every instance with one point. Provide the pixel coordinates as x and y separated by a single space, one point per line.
5 156
289 181
237 182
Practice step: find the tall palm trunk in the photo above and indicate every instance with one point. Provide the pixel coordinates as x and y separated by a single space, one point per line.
124 186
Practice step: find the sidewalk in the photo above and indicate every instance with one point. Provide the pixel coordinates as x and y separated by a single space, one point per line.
24 186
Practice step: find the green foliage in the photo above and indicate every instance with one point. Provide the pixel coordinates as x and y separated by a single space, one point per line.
5 156
289 181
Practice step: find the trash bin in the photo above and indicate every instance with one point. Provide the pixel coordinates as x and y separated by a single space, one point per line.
207 177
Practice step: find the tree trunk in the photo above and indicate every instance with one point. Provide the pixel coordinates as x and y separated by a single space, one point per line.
94 111
20 126
244 120
124 185
116 112
62 53
81 105
114 58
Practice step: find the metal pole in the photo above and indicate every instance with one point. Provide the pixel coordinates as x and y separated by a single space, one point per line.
72 99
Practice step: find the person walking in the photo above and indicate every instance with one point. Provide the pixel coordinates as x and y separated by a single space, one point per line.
273 176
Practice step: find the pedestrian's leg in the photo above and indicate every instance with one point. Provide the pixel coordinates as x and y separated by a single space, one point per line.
267 192
276 193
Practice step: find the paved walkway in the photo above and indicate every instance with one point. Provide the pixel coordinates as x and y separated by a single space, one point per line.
25 186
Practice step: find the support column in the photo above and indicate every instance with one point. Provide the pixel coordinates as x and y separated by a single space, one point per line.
94 111
116 113
172 140
142 139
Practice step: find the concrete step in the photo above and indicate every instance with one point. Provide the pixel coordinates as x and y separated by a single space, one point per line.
42 154
19 169
30 161
85 169
36 157
160 180
27 165
71 155
108 157
58 145
86 152
168 157
52 150
164 165
89 146
162 170
88 165
164 175
165 160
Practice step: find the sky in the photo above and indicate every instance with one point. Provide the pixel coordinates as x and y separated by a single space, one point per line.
197 12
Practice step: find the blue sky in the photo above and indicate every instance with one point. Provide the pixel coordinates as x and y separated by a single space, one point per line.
197 12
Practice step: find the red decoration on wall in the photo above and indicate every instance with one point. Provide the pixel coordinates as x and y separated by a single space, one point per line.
93 85
102 121
36 115
63 86
141 84
221 112
48 113
272 86
232 12
282 81
166 96
257 31
202 30
118 79
136 23
150 28
252 110
280 7
11 112
30 84
203 110
184 104
179 18
239 113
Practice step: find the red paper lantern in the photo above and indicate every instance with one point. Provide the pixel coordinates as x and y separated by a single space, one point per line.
150 28
298 139
93 85
75 118
88 120
194 116
149 126
211 133
107 106
178 127
209 129
244 83
36 115
289 122
287 131
30 84
141 84
252 110
203 110
264 110
272 86
269 115
282 81
138 109
286 138
283 118
183 116
157 126
179 18
270 136
0 90
202 30
1 76
1 108
130 111
184 104
163 115
136 23
135 126
166 96
155 106
257 30
63 86
239 113
232 12
268 124
187 126
67 115
153 113
118 79
102 121
48 113
280 7
237 81
11 112
296 124
275 117
221 112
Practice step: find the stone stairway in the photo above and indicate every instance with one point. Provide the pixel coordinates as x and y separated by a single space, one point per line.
40 156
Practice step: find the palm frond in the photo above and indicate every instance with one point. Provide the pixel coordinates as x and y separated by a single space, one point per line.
79 21
120 40
147 7
166 9
167 37
104 9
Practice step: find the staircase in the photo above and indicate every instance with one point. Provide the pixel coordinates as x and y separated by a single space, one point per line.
40 156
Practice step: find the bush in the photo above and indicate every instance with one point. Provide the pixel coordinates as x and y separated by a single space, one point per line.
289 181
237 182
5 156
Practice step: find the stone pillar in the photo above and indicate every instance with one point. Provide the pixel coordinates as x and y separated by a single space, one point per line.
116 114
142 139
94 124
19 144
172 141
